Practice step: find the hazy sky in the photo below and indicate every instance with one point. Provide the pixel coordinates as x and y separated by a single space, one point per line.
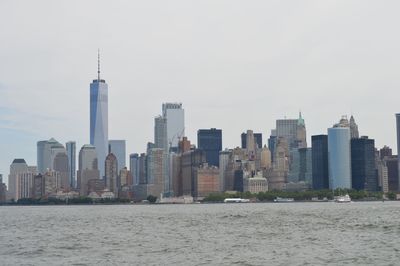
234 65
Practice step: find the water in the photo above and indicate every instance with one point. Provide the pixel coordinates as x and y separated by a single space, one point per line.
202 234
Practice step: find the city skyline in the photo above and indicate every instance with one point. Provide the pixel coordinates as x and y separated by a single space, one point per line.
140 82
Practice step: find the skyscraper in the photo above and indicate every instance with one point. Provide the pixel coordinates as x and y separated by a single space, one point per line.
353 128
320 169
99 118
17 168
363 164
210 141
294 130
339 155
160 133
257 139
71 153
134 167
88 167
175 115
111 173
118 148
47 150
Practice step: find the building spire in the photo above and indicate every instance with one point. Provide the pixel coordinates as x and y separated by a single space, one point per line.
98 65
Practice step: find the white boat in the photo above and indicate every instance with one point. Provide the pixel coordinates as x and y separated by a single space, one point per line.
236 200
343 199
279 199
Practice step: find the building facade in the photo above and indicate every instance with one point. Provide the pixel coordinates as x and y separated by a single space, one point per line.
210 141
339 157
71 153
118 148
363 173
320 167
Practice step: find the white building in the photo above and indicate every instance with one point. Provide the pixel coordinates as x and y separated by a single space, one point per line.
175 115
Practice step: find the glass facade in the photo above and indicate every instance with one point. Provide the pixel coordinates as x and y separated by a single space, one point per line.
320 170
339 157
210 141
363 164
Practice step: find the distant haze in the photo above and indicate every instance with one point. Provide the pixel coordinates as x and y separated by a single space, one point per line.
234 65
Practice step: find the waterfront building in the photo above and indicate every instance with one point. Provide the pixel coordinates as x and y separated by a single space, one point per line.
111 173
142 168
88 168
17 167
175 116
206 181
118 148
210 141
3 190
157 172
393 172
255 184
382 174
71 153
339 155
363 164
353 128
99 118
190 161
320 168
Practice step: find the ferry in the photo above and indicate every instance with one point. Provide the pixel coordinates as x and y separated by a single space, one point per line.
343 199
236 200
279 199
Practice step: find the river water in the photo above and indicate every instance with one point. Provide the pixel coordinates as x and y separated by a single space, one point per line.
202 234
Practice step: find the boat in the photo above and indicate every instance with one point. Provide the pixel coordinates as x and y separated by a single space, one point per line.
343 199
279 199
236 200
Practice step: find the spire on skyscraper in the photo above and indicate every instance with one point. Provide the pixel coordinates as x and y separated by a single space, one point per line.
98 65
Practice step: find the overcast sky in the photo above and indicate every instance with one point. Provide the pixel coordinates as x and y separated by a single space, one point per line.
234 65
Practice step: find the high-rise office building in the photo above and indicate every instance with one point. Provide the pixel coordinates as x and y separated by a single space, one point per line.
118 148
363 164
134 167
157 172
175 115
111 173
17 168
320 168
88 168
353 128
339 155
99 118
272 143
393 172
210 141
61 166
160 133
294 130
257 140
385 151
47 150
71 153
3 190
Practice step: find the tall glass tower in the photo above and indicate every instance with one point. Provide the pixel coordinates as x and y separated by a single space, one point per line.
99 118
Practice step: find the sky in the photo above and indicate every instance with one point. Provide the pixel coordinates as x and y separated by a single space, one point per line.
235 65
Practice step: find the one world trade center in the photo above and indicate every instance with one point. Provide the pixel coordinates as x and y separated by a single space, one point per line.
99 118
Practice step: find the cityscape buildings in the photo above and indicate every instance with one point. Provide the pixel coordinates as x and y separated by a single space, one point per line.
175 116
320 168
363 164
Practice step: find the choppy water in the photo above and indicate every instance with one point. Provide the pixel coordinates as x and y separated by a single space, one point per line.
202 234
